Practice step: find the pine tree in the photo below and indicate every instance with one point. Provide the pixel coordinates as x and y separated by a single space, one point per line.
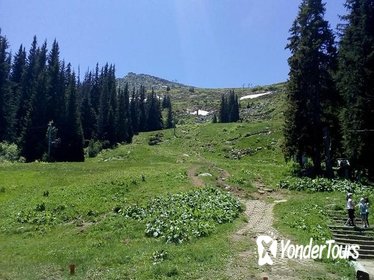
169 118
129 126
103 115
229 108
154 116
123 119
223 110
233 107
72 138
356 83
34 143
55 87
96 90
310 90
111 125
142 110
214 120
17 73
166 103
87 110
134 111
5 94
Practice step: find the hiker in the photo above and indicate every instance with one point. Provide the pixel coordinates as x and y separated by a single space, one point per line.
363 206
367 211
351 211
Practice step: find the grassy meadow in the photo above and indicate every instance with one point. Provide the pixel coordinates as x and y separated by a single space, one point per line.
56 214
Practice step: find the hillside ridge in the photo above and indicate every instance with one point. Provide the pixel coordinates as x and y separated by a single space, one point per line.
149 81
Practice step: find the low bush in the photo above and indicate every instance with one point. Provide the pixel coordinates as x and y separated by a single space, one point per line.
9 152
94 148
179 217
155 139
322 185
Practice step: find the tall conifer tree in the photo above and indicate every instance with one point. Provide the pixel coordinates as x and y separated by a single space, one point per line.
34 143
310 91
17 72
72 141
5 65
356 83
154 116
134 111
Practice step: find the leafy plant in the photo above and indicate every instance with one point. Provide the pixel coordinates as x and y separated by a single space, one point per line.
179 217
9 152
159 256
94 148
322 185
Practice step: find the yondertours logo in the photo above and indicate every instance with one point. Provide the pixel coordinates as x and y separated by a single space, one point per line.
270 248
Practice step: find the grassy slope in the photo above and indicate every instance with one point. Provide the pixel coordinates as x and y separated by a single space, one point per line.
82 196
106 246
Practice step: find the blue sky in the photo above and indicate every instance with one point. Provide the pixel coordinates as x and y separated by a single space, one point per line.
204 43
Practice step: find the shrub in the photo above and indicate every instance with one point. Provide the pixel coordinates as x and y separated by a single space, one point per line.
9 151
193 214
155 139
322 185
94 148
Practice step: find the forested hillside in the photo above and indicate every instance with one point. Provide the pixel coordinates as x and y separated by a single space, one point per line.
51 114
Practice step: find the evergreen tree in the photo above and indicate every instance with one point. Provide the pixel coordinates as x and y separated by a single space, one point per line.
223 110
55 86
124 128
111 125
134 111
142 110
72 139
166 103
87 110
233 105
214 120
17 73
154 116
34 143
310 92
229 108
129 127
96 90
5 94
103 115
169 118
356 83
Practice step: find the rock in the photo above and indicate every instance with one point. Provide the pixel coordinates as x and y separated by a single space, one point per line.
268 190
261 192
205 175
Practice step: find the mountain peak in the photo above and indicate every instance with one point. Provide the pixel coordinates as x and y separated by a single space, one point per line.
149 81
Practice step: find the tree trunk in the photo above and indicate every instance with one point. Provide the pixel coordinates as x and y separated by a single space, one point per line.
327 147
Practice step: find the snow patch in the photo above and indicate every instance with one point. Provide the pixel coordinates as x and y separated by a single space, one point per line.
200 113
252 96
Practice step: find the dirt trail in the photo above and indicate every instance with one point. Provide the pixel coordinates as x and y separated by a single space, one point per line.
192 174
245 265
260 218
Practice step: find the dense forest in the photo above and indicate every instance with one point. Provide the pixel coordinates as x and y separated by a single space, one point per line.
330 92
52 115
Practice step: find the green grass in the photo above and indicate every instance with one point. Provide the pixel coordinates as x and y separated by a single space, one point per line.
304 216
56 214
